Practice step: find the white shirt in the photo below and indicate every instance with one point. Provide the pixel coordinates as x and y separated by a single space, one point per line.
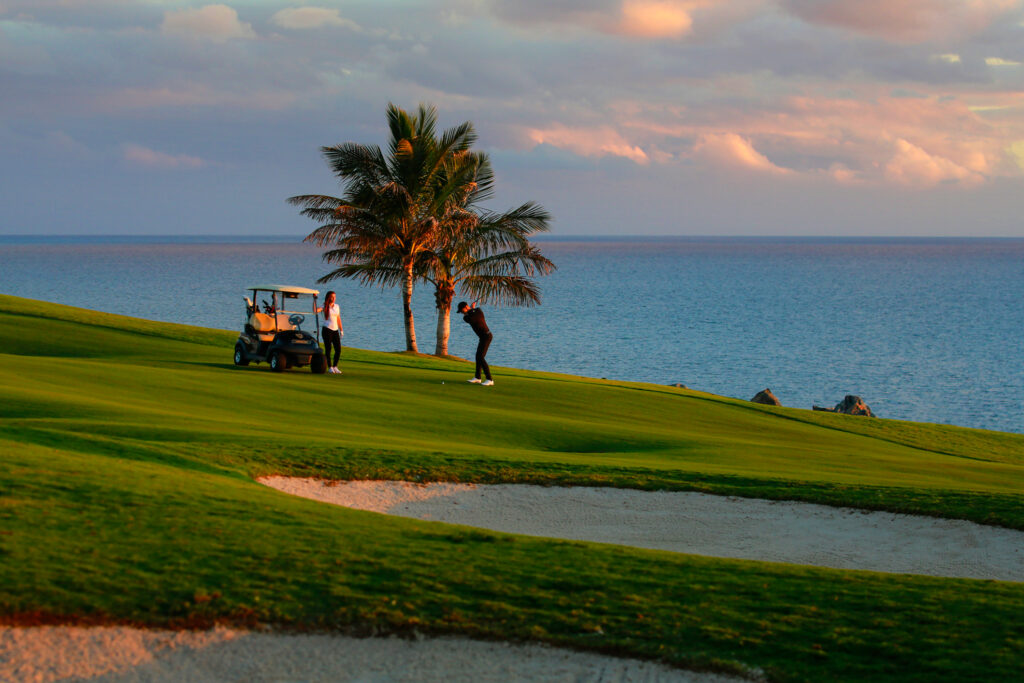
333 318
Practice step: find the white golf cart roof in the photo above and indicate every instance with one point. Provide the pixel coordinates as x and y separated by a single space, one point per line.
289 289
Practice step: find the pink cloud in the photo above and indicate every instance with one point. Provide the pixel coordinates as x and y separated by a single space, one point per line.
863 134
589 142
872 139
642 19
657 18
911 165
733 151
143 156
904 20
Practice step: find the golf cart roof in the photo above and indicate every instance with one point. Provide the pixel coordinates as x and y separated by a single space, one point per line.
285 288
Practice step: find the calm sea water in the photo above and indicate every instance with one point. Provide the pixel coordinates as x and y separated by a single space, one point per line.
926 330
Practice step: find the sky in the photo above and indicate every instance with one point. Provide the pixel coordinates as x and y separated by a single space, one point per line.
621 117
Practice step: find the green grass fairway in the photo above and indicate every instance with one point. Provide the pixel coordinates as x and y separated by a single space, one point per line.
126 494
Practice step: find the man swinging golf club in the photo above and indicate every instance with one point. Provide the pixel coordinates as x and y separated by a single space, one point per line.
475 317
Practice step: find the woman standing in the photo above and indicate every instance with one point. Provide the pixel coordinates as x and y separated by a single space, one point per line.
332 329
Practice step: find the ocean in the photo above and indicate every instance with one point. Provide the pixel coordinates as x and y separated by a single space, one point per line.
922 329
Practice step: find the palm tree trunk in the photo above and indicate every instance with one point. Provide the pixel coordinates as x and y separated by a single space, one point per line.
444 330
410 325
443 296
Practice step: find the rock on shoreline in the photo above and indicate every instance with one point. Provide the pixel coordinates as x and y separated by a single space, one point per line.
850 405
766 397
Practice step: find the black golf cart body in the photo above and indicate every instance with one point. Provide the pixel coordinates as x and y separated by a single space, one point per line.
275 334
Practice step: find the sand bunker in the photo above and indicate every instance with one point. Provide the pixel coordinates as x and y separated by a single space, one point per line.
45 654
716 526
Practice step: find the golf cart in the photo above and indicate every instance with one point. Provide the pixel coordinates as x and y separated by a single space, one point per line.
275 335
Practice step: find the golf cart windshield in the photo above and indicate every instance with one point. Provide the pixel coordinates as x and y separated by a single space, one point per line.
296 316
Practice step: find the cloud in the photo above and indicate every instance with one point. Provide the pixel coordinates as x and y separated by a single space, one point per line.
586 14
844 175
212 22
949 58
59 142
656 18
195 95
143 156
733 151
1016 152
904 20
651 19
312 17
849 139
874 17
911 165
999 61
588 142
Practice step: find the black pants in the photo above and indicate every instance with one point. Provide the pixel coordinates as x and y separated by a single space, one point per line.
481 354
332 338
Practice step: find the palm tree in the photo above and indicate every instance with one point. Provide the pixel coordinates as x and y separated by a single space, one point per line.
487 254
389 213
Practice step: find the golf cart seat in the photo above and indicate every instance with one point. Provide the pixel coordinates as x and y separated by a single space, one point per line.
263 325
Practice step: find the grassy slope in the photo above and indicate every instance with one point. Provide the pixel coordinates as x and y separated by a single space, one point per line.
126 465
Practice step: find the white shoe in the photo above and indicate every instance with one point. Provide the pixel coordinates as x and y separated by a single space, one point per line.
487 383
475 380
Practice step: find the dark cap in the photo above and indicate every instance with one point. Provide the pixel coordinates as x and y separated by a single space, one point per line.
462 306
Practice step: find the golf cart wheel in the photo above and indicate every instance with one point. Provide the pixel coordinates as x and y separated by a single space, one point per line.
240 357
278 362
318 364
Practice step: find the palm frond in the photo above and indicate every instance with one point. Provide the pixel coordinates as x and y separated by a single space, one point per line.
527 218
365 274
484 189
426 120
528 262
400 124
315 200
454 141
458 138
356 165
504 290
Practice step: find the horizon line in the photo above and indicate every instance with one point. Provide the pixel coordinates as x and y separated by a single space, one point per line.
544 237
